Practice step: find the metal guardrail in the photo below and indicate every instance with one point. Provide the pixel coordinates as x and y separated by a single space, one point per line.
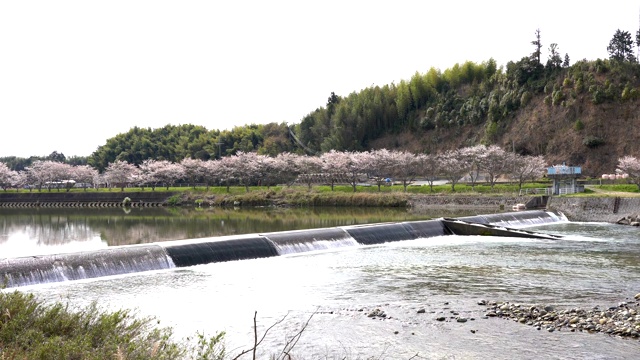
567 190
536 191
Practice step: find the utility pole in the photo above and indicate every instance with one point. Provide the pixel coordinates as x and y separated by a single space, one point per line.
219 150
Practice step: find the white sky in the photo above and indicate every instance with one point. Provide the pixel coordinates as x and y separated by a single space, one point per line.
75 73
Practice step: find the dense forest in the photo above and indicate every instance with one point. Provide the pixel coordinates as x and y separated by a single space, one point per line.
578 113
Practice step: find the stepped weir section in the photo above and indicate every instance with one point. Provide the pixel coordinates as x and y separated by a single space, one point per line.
22 271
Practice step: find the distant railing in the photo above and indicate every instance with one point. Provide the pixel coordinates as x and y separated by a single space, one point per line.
567 190
536 191
564 170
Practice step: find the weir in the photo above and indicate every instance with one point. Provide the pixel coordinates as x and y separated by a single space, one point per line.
83 265
517 219
290 242
205 252
137 258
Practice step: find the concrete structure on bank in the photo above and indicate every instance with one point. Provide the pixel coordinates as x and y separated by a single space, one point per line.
596 209
565 179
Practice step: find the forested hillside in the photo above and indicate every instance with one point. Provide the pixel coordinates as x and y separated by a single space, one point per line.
584 113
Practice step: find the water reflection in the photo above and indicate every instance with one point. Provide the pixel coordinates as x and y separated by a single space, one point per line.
114 226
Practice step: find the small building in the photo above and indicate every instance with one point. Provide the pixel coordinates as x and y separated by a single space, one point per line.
565 179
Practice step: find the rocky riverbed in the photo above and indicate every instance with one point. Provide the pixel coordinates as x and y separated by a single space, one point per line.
621 320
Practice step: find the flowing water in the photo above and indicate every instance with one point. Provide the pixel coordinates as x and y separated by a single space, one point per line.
335 286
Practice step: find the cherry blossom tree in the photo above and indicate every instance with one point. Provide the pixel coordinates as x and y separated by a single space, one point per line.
453 166
287 167
156 172
19 179
493 162
334 167
120 173
357 165
472 156
308 167
428 167
523 168
631 166
269 170
170 173
147 174
193 170
405 167
84 174
211 174
226 170
51 174
246 167
6 176
381 165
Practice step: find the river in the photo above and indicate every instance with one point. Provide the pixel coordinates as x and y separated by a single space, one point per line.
336 290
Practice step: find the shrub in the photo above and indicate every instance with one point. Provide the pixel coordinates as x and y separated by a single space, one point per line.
427 124
525 98
30 329
173 200
592 141
578 125
579 87
598 97
558 97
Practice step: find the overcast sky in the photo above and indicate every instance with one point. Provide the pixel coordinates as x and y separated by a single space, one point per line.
75 73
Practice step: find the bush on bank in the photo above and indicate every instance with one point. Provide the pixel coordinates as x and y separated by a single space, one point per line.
30 329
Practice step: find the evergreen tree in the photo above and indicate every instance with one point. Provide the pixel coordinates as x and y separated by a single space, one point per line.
566 62
620 47
554 61
538 44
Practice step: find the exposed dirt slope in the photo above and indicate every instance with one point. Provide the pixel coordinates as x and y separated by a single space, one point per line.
545 129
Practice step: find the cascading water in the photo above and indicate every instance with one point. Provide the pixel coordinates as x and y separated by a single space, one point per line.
290 242
83 265
518 219
205 252
137 258
379 234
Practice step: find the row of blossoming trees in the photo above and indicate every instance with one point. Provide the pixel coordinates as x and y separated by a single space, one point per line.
334 167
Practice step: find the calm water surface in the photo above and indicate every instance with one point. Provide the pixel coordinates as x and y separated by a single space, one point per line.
597 264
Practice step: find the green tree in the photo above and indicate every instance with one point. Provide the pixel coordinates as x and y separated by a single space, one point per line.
566 62
620 47
332 101
554 61
56 156
535 56
403 100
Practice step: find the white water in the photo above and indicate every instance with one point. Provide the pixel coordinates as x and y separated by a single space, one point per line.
440 274
598 265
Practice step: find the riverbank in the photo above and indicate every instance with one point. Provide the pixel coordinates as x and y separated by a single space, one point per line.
600 207
280 197
596 208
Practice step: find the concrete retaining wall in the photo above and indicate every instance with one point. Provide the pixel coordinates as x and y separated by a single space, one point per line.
468 202
594 208
72 199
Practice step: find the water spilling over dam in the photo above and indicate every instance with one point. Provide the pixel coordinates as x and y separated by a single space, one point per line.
21 271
